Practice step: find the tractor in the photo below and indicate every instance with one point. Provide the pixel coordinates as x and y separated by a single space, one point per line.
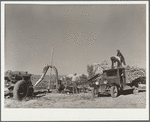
18 83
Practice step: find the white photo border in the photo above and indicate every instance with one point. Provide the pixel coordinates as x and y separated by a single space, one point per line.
76 114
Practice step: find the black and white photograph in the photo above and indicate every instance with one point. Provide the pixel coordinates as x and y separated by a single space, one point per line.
74 60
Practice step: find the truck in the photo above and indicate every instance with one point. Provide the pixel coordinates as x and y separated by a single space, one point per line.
114 81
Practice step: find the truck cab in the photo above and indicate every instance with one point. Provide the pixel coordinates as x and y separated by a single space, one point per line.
115 77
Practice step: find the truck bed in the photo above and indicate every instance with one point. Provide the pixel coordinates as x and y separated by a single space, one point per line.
132 75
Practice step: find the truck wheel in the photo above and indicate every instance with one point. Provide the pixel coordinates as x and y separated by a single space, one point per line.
114 91
135 90
20 90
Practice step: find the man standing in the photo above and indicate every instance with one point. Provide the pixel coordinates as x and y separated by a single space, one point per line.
122 59
74 79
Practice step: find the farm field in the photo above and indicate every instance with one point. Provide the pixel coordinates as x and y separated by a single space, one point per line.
82 100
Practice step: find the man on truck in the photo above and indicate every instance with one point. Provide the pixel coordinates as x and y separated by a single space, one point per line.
122 59
119 58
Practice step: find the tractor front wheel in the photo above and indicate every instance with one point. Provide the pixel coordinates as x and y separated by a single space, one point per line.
20 90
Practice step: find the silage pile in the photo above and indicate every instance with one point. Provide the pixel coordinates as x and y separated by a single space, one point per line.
133 73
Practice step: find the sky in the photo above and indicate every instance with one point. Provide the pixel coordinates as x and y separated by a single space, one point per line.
80 34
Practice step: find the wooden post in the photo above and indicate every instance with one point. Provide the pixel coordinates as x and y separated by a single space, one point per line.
51 68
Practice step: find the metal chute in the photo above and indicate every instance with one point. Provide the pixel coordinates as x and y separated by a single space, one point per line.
45 69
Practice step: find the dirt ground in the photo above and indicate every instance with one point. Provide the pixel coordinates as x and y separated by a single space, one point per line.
82 100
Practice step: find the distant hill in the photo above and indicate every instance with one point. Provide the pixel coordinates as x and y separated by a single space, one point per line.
35 78
44 83
19 72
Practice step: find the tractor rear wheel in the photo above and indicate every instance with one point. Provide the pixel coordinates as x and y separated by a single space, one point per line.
20 90
114 91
